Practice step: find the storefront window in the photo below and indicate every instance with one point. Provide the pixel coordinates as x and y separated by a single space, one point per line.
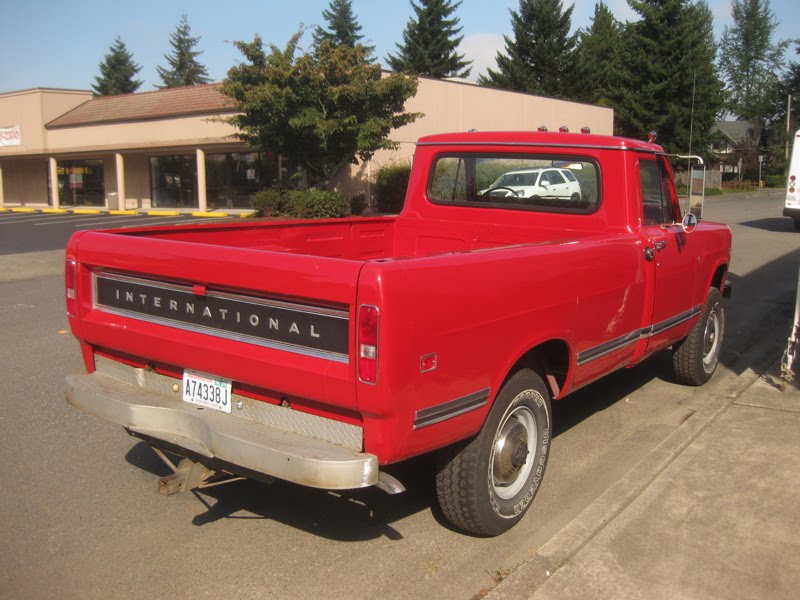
81 183
172 181
231 178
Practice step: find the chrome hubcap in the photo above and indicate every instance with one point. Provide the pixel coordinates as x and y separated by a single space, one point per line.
511 452
711 339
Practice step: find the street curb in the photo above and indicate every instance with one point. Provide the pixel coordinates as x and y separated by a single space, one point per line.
163 213
559 549
209 214
554 554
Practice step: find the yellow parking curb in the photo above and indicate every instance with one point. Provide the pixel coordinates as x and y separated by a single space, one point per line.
54 211
209 214
3 209
246 215
123 212
86 211
23 209
163 213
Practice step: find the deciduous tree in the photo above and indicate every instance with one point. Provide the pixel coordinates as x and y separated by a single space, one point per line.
430 41
322 110
117 72
750 61
184 68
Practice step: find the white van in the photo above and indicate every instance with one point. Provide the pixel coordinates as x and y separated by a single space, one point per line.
792 206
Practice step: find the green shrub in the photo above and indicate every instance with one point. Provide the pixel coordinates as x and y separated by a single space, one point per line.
316 204
270 202
300 204
775 181
358 203
390 188
713 192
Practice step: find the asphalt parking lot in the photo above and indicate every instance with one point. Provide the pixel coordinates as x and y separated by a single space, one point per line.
22 232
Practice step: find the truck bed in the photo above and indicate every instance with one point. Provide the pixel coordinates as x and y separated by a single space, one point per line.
359 239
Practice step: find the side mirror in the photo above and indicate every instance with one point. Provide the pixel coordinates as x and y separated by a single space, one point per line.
689 222
697 185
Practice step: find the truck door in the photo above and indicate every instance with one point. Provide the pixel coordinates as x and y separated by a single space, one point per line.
671 261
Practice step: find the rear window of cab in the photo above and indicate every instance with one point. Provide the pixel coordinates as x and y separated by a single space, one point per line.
536 182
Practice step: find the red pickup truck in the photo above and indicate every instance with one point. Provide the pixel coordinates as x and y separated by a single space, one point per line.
523 266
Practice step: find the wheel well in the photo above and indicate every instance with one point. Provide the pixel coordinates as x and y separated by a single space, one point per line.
719 277
550 360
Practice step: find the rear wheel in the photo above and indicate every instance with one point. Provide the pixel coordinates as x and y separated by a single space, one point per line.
486 485
695 358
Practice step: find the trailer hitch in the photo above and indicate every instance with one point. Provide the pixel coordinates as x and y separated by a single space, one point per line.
189 475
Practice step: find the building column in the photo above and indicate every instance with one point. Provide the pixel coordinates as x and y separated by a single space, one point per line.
54 196
202 201
120 166
2 195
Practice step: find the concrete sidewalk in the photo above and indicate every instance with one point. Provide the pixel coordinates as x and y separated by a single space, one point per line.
720 520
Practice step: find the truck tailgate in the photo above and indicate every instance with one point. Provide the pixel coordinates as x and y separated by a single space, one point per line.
274 321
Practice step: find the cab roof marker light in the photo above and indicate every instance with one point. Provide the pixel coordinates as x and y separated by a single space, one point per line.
564 129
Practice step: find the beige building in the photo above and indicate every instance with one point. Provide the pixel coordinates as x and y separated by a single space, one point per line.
171 148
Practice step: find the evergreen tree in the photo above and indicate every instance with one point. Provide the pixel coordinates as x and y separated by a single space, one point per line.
343 29
671 83
749 61
183 66
540 59
430 41
598 56
117 72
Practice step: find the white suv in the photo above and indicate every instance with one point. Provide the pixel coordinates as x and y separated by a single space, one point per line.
545 182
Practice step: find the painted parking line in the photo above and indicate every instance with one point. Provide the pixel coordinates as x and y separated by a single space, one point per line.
29 218
57 219
181 222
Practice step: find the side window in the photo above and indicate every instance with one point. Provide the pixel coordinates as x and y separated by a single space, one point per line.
656 200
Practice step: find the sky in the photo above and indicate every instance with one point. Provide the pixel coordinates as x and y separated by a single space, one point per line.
60 44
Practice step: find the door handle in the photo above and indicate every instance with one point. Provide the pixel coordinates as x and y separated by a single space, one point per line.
660 245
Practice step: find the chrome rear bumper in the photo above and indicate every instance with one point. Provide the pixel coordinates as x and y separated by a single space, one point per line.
287 452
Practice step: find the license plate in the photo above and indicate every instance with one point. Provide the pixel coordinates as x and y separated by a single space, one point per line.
207 390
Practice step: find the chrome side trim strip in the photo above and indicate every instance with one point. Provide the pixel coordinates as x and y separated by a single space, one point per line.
450 409
605 348
608 347
672 322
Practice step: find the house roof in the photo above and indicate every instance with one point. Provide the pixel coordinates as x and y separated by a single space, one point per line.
735 131
174 102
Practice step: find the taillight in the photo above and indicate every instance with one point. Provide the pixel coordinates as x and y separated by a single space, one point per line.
367 343
70 282
792 182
